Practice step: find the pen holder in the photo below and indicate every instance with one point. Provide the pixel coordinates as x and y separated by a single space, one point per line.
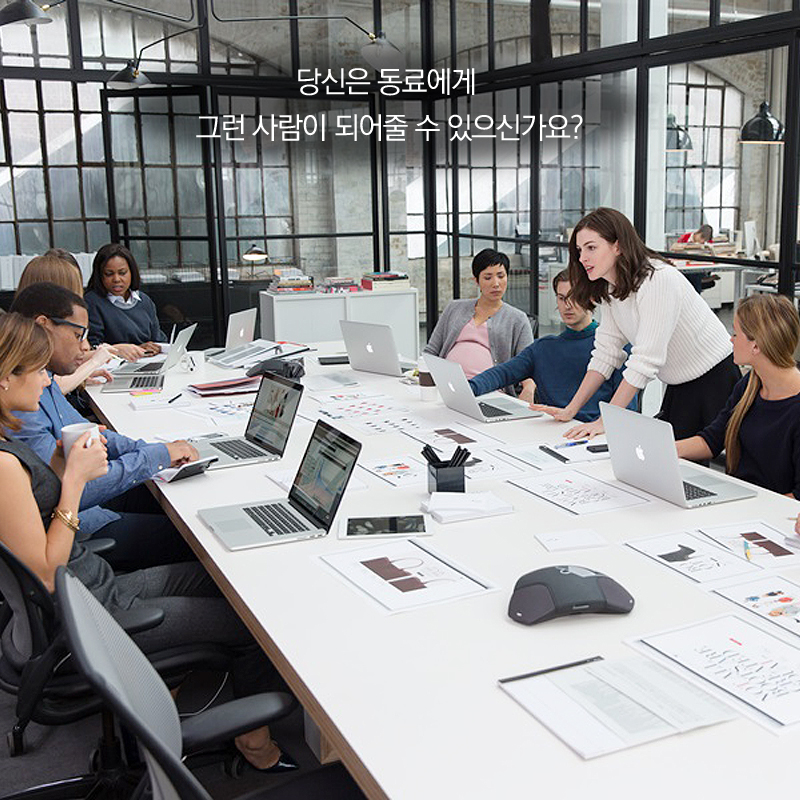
445 479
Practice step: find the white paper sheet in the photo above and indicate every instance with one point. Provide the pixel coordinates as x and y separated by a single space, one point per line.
401 575
766 545
749 664
598 707
573 539
771 597
445 438
549 456
402 470
577 493
693 556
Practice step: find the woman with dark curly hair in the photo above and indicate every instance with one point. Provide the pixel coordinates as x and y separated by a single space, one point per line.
119 312
645 301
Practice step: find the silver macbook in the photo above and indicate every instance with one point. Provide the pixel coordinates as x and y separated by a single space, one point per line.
132 377
371 348
643 454
457 394
267 429
241 328
311 506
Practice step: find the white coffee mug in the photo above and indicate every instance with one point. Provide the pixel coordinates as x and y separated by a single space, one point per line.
71 433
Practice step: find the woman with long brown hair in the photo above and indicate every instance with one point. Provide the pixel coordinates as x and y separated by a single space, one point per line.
759 427
647 302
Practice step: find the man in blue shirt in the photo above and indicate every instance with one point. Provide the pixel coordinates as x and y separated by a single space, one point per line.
556 364
115 505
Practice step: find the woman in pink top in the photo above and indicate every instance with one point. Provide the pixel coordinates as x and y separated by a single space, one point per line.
481 333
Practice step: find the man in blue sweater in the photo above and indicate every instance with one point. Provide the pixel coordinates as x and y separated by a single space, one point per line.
115 505
556 364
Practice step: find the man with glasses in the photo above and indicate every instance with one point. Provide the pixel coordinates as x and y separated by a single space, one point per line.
115 505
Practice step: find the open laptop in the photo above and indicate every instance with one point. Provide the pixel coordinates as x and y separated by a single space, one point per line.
241 329
313 500
371 348
457 394
132 377
267 429
643 454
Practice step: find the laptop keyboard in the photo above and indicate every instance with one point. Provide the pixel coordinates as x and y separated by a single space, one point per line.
693 492
153 366
492 411
147 382
275 520
238 449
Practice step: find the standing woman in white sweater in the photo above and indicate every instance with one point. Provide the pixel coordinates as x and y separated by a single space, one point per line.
673 333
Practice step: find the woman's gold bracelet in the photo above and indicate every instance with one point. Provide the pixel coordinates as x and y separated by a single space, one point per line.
68 518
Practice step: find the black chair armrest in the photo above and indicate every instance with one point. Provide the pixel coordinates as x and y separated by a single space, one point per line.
230 719
135 620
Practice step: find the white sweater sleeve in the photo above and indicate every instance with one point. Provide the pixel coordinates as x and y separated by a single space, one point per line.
607 354
659 301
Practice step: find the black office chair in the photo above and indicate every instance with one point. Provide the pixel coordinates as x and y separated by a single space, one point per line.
36 667
126 680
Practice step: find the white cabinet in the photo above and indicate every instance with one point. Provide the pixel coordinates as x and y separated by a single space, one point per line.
315 317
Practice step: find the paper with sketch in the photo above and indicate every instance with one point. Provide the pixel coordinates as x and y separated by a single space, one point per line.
773 598
402 470
749 664
578 493
766 545
355 407
393 422
574 539
692 556
347 396
484 464
445 438
401 575
224 412
549 456
598 707
533 456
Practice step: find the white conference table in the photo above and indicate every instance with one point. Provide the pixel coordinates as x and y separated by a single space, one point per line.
410 700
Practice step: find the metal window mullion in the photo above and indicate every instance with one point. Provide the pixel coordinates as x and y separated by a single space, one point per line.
48 198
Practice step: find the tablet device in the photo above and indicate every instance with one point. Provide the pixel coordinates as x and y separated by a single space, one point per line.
384 527
186 470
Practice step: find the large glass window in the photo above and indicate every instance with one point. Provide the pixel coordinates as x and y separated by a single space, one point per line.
701 172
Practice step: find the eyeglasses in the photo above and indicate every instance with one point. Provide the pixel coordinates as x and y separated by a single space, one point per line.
84 331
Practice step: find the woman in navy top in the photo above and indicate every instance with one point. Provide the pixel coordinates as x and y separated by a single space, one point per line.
118 311
759 427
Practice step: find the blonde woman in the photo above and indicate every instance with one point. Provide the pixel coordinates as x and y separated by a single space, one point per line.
759 427
52 268
39 505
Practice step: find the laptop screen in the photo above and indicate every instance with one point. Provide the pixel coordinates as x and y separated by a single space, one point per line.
323 475
273 413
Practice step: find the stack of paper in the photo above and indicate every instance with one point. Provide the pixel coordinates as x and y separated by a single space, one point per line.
232 386
458 506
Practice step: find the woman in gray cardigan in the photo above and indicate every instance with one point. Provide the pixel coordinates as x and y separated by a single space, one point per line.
481 333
